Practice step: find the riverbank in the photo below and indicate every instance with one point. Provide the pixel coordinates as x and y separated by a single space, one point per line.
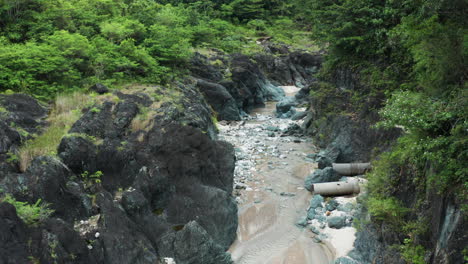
269 187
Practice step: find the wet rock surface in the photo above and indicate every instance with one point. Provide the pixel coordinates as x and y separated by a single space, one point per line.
242 82
321 175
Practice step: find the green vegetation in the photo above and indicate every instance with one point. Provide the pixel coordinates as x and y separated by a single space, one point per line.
53 46
409 56
31 214
91 178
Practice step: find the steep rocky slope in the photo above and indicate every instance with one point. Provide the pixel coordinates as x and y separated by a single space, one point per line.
344 129
165 190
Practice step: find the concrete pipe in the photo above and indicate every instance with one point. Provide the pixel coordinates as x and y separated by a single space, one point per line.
335 188
351 169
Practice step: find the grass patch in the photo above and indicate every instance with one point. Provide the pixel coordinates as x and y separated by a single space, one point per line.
65 113
143 120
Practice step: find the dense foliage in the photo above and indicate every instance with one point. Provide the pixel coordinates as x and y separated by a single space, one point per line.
412 55
53 46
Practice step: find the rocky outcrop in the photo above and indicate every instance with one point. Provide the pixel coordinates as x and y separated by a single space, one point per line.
21 116
223 78
344 129
123 192
220 99
251 81
284 67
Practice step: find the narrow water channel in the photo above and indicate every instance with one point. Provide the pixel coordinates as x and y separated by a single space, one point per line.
270 173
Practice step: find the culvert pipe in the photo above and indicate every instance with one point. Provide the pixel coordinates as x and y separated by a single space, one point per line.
336 188
351 169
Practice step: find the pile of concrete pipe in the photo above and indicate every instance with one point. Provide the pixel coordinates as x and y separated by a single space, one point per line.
351 169
336 188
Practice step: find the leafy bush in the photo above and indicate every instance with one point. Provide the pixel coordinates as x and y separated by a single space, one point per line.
387 209
35 68
412 253
169 45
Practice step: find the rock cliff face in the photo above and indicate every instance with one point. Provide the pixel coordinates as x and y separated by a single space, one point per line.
165 190
342 126
234 84
344 130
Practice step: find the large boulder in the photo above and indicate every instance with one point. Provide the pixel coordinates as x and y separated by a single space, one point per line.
120 239
192 245
170 179
78 153
99 88
21 116
13 236
285 105
23 111
247 77
327 157
336 222
321 175
9 137
220 99
170 174
201 68
48 179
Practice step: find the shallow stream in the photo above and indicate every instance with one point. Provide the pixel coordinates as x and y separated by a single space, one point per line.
269 179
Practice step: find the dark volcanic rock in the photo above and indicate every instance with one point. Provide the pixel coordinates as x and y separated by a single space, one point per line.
13 236
169 178
20 117
79 153
247 80
251 82
220 99
321 175
109 120
57 242
289 68
120 239
285 105
47 180
192 245
200 67
99 88
327 157
23 111
8 138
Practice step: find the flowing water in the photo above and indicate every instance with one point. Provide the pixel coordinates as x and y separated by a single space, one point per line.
269 177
